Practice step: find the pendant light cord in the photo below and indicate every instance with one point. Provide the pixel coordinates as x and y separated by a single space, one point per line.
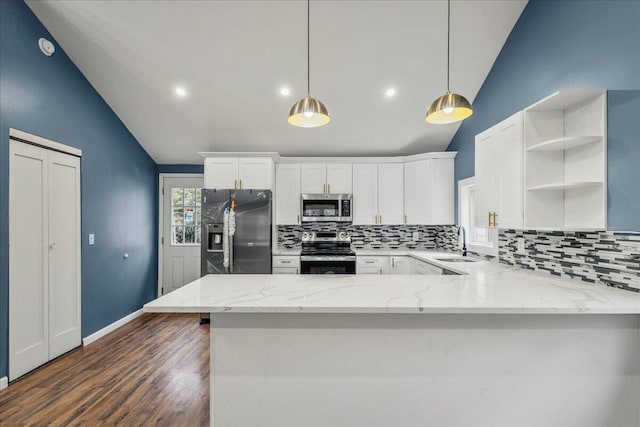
308 50
448 39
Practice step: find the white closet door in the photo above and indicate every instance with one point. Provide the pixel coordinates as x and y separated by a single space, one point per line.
28 266
64 253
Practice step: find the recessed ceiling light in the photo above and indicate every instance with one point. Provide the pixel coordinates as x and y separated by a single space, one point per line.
390 92
180 91
285 91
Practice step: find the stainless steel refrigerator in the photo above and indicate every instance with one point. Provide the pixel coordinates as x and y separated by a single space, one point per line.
250 247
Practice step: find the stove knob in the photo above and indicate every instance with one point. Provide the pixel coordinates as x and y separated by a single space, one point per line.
342 235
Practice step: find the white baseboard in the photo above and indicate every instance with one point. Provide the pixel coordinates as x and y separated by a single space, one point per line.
4 383
110 328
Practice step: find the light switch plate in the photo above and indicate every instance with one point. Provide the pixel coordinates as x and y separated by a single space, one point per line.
92 239
520 245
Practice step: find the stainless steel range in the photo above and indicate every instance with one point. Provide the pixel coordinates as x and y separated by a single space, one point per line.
327 252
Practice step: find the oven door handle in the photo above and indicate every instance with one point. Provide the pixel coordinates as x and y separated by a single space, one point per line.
327 258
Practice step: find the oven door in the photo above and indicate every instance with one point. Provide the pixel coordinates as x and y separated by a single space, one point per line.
327 265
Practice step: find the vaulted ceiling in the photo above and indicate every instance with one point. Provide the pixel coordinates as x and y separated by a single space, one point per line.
233 57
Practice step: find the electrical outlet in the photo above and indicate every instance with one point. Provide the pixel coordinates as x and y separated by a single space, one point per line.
520 245
416 236
92 239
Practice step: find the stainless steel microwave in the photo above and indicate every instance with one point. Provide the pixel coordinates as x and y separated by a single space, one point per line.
326 207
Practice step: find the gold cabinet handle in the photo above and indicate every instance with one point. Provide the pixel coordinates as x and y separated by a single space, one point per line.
328 188
393 262
235 184
380 271
297 271
369 262
490 219
240 184
380 219
285 262
405 218
495 222
298 218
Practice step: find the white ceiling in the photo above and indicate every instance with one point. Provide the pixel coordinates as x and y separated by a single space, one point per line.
233 57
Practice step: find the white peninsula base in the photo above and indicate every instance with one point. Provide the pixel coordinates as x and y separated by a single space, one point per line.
287 369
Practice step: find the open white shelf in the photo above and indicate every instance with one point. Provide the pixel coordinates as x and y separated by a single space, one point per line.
562 100
565 185
565 139
564 143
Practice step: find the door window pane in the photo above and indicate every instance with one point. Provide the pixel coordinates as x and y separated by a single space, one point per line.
185 216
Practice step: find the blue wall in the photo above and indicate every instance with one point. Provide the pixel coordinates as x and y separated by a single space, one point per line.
555 45
49 97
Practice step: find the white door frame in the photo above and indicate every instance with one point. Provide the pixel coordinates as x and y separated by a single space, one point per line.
161 177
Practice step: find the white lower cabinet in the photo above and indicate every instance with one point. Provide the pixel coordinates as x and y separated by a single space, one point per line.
285 264
422 267
372 265
401 265
369 264
44 256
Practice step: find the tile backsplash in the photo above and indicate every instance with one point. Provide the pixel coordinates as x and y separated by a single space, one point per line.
593 256
377 236
598 257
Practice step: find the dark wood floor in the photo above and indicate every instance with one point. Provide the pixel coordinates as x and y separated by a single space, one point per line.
152 371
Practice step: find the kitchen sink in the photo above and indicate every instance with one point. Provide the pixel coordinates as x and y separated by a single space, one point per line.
455 260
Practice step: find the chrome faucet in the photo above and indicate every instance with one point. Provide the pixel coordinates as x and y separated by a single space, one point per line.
464 240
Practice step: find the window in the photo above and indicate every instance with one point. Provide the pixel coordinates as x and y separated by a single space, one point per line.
185 216
479 239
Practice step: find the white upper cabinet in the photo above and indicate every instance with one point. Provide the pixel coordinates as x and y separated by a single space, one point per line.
313 178
377 193
365 194
325 178
390 193
238 173
565 155
339 178
255 173
428 192
288 194
221 172
499 175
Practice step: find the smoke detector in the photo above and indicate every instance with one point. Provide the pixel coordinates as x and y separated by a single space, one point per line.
46 46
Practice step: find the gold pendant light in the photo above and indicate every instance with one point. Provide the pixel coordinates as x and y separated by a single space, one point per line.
308 112
450 107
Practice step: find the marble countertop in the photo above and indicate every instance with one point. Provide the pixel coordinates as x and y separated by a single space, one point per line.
485 287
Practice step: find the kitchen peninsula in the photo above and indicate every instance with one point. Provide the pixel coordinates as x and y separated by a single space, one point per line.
494 345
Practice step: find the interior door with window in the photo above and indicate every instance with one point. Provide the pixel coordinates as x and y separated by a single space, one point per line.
180 240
